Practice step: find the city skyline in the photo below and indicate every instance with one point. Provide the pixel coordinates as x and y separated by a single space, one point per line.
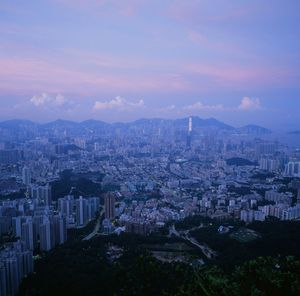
113 61
149 147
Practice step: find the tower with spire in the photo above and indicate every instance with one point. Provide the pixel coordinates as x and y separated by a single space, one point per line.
190 130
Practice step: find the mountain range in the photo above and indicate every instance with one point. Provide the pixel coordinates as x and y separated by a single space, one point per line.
155 123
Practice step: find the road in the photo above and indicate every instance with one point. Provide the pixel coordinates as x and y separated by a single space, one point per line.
96 228
208 252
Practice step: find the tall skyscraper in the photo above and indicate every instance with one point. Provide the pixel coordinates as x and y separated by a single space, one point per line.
190 124
190 129
109 206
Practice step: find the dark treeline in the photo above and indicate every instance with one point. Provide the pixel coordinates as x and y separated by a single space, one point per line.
83 267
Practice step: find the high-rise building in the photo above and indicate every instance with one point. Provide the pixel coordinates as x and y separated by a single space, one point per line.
60 229
190 129
109 206
46 235
266 148
66 208
12 275
81 211
26 176
15 263
94 203
293 169
42 193
271 165
47 196
190 124
291 213
17 225
28 234
65 205
2 279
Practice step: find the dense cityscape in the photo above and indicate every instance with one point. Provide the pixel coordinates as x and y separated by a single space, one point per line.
142 177
149 148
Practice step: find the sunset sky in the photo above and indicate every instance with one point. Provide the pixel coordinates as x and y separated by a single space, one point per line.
237 60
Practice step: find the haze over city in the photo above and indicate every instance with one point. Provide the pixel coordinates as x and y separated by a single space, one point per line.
149 147
237 61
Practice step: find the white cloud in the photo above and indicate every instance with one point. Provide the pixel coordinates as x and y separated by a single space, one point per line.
201 106
248 103
45 100
118 103
60 100
40 100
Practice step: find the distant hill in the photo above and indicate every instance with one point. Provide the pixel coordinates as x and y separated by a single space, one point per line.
217 123
17 123
146 125
93 124
60 123
203 123
253 129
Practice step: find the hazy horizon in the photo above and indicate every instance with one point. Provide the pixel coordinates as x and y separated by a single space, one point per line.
109 187
115 61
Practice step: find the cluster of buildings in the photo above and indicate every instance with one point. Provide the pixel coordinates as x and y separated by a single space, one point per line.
80 211
293 169
16 262
157 173
42 226
37 228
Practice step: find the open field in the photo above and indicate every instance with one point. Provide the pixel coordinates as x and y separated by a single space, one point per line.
245 235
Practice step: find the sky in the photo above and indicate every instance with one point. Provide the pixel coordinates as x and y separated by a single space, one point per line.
112 60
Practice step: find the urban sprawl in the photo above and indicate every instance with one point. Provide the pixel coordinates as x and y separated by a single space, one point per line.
150 173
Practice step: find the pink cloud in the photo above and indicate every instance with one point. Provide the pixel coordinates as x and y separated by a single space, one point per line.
88 73
30 75
248 104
